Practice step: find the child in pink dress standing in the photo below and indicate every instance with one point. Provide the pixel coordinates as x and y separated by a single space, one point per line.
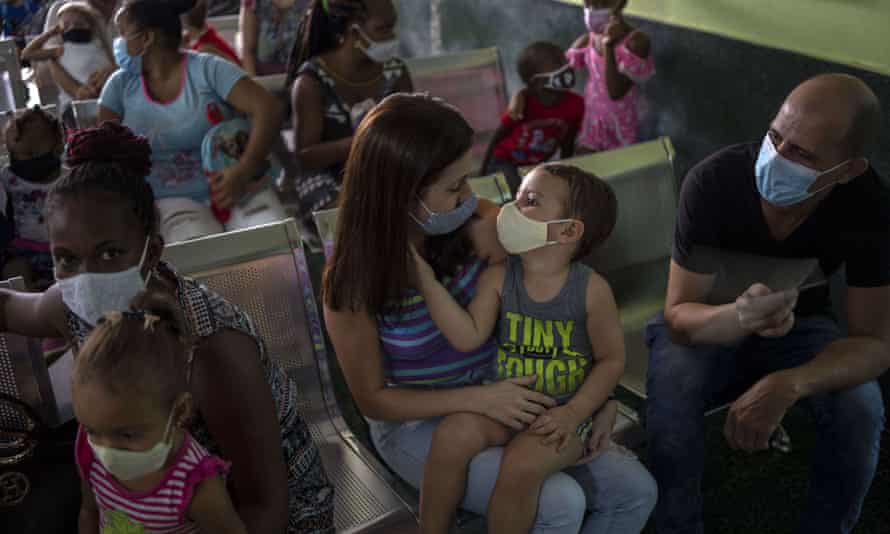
619 59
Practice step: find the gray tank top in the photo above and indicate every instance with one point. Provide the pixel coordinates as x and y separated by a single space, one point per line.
547 339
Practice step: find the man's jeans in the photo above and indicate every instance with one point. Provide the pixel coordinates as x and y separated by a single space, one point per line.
683 382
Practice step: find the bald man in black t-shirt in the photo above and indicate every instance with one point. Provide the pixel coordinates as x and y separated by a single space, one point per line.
806 191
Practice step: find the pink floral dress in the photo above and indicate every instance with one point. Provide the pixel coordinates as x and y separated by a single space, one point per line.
610 123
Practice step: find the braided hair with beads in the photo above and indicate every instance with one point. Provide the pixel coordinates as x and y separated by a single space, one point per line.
109 158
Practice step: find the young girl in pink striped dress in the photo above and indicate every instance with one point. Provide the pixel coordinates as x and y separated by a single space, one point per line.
619 59
141 471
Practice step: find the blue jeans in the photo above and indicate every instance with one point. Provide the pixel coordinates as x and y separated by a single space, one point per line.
615 487
683 382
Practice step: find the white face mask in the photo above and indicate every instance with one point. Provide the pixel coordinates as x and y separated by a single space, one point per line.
378 51
127 465
518 233
91 295
596 19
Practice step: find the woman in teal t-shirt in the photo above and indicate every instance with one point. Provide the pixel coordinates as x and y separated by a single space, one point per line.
174 97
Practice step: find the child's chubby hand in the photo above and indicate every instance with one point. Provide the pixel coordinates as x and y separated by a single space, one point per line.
423 271
603 424
558 425
516 111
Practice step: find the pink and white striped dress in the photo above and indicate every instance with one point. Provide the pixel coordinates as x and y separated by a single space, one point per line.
163 509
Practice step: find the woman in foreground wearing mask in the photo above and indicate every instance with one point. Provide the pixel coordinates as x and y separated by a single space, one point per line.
174 97
405 186
344 62
108 260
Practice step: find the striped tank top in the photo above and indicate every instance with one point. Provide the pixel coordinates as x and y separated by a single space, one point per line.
163 509
416 353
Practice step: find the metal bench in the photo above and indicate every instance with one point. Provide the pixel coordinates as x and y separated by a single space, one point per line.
15 94
473 82
264 270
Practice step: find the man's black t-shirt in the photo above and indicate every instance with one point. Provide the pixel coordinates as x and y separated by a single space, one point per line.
720 209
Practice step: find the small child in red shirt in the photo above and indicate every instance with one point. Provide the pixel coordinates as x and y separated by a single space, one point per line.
203 37
551 116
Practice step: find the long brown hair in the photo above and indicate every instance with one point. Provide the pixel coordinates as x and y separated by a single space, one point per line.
397 152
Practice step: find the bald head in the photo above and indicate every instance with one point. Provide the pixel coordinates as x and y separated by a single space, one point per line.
843 103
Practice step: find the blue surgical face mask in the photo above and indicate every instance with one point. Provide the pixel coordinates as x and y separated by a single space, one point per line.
445 222
125 61
783 182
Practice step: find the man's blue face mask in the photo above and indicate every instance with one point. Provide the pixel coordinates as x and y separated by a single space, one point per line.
783 182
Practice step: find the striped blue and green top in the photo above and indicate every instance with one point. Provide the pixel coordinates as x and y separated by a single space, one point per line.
416 352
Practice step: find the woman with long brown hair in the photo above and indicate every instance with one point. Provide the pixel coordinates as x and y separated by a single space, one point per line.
405 186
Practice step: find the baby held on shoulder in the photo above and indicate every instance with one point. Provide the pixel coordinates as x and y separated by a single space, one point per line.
557 330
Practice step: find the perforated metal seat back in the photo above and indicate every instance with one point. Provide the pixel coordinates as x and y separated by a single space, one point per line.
263 270
23 375
15 94
473 82
86 113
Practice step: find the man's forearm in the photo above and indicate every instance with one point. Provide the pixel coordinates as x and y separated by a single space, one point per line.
701 324
843 364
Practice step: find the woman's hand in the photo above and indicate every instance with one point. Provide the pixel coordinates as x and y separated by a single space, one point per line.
511 403
603 424
228 187
557 425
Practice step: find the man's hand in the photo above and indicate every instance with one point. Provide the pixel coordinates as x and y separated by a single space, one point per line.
766 313
755 415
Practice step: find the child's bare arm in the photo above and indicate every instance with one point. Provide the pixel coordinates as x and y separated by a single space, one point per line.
212 509
499 134
34 51
466 329
607 340
582 41
88 520
64 79
516 109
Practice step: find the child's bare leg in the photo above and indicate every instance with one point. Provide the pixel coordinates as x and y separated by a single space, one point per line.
457 439
525 466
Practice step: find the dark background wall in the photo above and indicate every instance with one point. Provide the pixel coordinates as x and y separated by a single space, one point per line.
708 92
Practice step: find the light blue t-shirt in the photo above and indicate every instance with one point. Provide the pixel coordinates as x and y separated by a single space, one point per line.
176 129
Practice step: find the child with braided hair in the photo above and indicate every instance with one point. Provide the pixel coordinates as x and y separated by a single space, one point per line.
141 470
106 247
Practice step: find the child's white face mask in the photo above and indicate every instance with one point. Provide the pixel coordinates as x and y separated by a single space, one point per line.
518 233
129 465
91 295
